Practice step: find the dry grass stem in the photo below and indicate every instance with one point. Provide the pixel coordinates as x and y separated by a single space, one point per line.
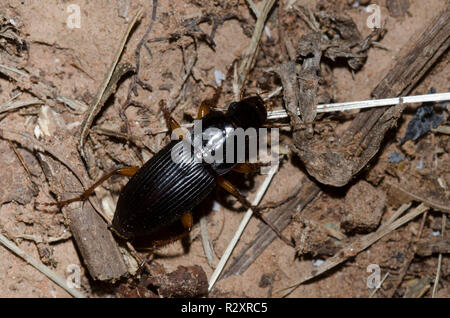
40 267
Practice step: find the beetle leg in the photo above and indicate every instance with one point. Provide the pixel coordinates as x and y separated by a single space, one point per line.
248 167
203 110
229 187
171 122
124 171
188 221
207 104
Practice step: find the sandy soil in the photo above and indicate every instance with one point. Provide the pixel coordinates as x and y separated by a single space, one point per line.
76 60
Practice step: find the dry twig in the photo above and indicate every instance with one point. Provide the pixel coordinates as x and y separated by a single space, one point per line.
358 246
280 218
206 242
438 271
379 285
250 53
11 105
226 255
435 205
135 79
40 267
107 87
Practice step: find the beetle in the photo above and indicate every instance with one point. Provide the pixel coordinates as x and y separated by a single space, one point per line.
165 190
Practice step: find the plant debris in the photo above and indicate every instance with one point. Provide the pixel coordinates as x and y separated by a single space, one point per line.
424 119
184 282
312 239
13 46
363 188
364 207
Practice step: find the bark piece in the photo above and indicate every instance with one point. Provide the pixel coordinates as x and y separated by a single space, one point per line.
63 170
308 79
434 245
311 239
184 282
336 162
14 184
99 250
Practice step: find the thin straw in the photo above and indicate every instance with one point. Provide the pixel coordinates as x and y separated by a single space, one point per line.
39 266
323 108
226 255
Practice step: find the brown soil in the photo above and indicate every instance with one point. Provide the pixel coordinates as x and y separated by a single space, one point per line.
75 61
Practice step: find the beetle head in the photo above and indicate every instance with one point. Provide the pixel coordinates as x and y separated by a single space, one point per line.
249 112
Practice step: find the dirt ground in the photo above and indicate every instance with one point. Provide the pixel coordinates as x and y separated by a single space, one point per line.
73 61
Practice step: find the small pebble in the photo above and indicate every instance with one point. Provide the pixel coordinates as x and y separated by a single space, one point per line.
37 132
420 165
219 77
395 157
317 262
267 31
216 206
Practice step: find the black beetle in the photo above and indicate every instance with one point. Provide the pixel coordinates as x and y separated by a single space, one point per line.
164 190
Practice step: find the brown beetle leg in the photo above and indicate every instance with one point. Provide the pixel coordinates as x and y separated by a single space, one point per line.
203 110
171 122
188 221
207 104
248 167
229 187
124 171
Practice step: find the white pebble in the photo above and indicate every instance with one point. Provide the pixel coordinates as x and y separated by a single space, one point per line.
216 206
267 31
317 262
219 77
37 132
420 165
